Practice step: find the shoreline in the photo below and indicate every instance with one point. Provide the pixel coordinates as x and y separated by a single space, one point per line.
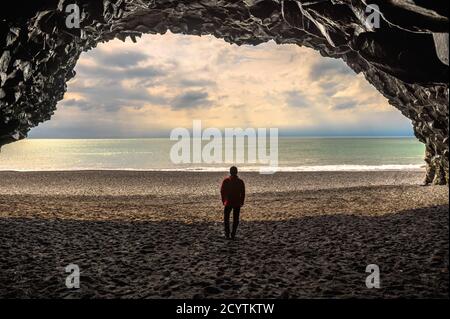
288 169
126 183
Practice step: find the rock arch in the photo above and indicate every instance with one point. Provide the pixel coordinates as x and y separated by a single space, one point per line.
406 58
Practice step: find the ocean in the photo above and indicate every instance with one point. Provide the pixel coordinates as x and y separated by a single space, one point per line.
294 154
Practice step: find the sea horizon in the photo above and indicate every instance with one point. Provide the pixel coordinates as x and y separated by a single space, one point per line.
296 154
166 137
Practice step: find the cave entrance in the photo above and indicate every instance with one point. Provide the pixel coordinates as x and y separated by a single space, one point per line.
126 90
401 50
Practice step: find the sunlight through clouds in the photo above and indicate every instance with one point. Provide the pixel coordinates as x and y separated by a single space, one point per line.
164 81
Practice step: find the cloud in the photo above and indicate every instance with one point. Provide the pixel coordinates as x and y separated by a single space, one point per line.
297 99
110 87
111 95
123 59
80 104
120 90
345 105
191 99
196 83
121 73
330 87
329 67
229 57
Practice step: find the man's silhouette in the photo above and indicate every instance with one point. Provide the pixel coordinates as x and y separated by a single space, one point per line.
233 196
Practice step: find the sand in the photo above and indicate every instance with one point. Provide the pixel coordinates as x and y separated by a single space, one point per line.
159 235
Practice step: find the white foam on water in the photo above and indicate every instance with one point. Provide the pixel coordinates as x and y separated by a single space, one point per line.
310 168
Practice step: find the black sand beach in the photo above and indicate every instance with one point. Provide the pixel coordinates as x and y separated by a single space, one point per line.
159 234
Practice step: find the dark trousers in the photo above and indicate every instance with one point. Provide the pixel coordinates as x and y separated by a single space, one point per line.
226 216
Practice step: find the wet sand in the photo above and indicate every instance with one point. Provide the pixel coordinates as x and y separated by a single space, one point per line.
159 235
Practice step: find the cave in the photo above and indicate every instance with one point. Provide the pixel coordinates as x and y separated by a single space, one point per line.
405 57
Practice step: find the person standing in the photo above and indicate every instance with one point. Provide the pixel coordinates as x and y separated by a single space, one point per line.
232 192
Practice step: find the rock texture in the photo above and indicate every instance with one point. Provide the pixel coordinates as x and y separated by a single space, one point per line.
405 57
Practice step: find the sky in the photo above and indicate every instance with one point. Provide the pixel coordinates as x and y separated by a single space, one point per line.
148 88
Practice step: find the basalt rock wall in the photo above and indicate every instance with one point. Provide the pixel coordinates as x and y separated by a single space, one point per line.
405 55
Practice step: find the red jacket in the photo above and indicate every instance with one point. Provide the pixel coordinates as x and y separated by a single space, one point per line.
233 191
